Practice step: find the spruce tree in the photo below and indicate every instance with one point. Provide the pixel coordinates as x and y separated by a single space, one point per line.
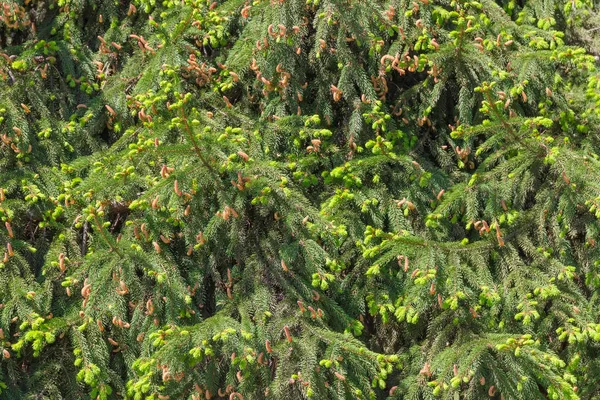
289 199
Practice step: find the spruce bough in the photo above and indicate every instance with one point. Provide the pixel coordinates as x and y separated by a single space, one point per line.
291 199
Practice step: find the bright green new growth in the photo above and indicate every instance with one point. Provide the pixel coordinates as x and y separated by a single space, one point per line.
299 198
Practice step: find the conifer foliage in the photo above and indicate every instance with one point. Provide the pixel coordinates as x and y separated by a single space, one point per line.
289 199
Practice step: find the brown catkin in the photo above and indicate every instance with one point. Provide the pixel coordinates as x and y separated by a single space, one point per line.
268 346
149 307
339 376
9 229
243 155
288 334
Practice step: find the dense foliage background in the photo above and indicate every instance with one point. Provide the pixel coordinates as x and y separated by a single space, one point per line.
337 199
